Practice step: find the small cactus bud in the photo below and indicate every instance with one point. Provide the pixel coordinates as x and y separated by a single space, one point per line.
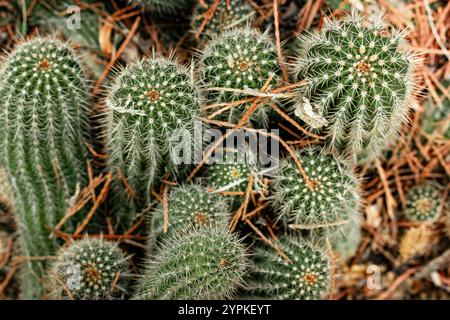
423 203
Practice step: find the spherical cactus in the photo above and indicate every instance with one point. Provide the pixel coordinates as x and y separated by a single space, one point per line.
152 109
227 14
190 206
305 276
89 269
423 203
237 64
360 81
202 263
436 118
43 121
163 6
328 201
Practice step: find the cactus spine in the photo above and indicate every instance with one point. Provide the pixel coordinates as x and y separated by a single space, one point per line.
360 80
237 64
89 269
423 203
202 263
331 199
151 102
42 119
305 275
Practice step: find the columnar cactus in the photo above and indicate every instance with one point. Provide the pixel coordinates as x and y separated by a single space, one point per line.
228 14
151 107
235 66
423 202
190 206
360 81
43 115
304 274
202 263
89 269
162 6
329 200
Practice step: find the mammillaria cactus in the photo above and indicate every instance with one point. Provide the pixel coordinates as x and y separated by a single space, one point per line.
202 263
190 206
305 275
89 269
152 107
227 14
360 81
162 6
43 114
329 200
236 66
423 202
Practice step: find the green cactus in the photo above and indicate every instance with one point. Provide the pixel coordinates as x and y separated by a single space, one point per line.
202 263
190 206
228 14
423 202
360 84
305 275
42 130
89 269
436 120
163 6
329 201
236 65
150 102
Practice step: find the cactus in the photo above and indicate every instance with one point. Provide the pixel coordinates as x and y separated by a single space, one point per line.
436 119
305 275
360 82
235 66
202 263
228 14
150 102
89 269
190 206
42 122
330 199
416 241
163 6
423 203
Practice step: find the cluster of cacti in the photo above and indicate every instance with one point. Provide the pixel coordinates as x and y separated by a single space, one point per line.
423 202
202 263
327 199
189 206
43 119
301 271
152 107
236 66
226 15
89 269
359 83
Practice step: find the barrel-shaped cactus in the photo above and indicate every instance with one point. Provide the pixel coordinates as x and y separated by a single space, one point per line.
327 201
189 206
43 115
237 65
227 14
360 81
201 263
423 202
151 110
89 269
303 273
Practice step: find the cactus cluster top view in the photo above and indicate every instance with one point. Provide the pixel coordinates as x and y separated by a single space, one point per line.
224 149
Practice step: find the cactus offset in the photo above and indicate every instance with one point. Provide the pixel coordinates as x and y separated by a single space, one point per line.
202 263
236 65
305 275
328 202
42 121
89 269
360 81
423 203
150 102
